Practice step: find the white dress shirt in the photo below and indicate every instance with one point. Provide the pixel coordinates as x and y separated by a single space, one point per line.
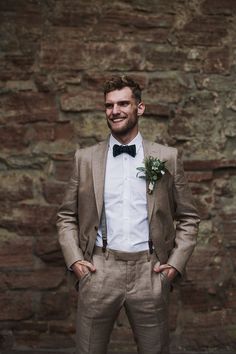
125 199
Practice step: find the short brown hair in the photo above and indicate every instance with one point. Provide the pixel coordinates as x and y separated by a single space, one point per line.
119 82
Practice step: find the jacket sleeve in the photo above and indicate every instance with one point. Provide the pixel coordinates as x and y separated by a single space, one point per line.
186 218
67 219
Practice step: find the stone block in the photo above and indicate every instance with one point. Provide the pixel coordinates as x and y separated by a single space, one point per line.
215 83
201 330
203 31
15 186
114 25
16 305
25 161
6 339
159 59
159 110
29 219
48 249
66 327
21 28
13 137
50 132
208 165
217 61
82 101
228 7
40 279
91 127
63 170
54 306
53 191
15 252
28 107
98 55
229 228
199 177
48 343
166 89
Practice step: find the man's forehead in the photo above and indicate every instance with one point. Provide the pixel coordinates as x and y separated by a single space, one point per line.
120 95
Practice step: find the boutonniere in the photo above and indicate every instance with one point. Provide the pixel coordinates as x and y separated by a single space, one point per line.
152 171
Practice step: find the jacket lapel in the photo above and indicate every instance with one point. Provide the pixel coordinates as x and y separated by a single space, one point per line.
98 169
149 150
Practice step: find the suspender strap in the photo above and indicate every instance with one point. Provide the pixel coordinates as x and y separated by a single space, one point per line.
150 244
104 229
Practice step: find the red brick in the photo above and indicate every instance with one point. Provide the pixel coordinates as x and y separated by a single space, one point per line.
159 110
48 249
28 108
147 27
29 326
203 31
93 55
16 252
54 305
82 101
30 219
13 137
15 306
21 26
229 228
51 132
156 59
199 176
227 7
202 330
46 342
195 298
45 279
66 327
208 165
53 191
63 170
95 80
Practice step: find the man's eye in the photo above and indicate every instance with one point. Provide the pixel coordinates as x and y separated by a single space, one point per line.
124 104
108 106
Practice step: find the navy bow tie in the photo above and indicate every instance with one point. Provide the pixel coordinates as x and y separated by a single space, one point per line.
120 149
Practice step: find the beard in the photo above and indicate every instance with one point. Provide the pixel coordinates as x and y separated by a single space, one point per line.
128 125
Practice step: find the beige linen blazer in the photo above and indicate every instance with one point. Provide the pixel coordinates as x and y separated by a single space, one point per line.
173 218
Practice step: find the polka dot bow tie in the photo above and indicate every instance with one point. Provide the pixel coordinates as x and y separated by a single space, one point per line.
120 149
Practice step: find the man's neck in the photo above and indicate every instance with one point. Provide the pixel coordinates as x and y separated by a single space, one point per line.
124 140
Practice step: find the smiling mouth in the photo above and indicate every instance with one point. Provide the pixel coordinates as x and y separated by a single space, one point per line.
117 120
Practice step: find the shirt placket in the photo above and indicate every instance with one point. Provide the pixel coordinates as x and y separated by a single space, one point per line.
126 199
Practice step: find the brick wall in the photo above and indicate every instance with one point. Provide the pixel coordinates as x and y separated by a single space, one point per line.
54 57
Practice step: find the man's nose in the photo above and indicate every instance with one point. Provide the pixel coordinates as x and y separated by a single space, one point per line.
116 109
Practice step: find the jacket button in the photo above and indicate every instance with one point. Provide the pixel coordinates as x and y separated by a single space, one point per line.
96 228
88 253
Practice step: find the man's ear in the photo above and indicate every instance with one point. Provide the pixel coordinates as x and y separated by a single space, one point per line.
141 108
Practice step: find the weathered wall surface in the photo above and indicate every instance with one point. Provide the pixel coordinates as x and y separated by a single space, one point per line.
54 56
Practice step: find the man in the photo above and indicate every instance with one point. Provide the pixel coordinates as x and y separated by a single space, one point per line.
125 245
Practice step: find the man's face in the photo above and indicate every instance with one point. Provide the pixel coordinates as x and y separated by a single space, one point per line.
122 113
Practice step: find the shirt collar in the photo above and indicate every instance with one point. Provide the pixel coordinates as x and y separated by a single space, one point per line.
136 141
